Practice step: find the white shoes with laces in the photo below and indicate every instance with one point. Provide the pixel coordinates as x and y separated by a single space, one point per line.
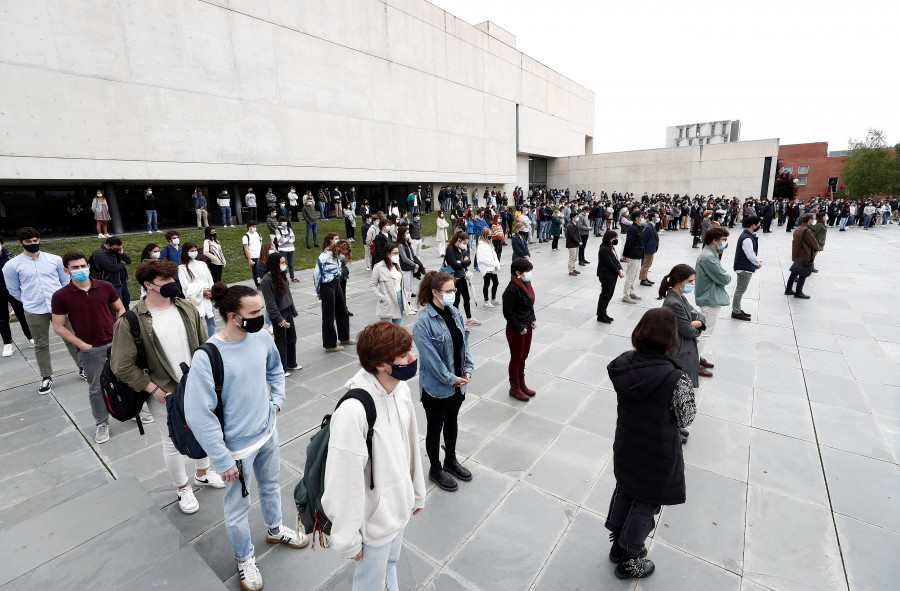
210 479
187 502
248 572
7 350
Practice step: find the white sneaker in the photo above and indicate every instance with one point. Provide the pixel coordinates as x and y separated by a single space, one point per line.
46 386
297 367
8 350
627 300
495 302
31 342
635 296
287 373
149 231
146 417
101 435
187 501
288 536
487 304
100 236
210 479
248 572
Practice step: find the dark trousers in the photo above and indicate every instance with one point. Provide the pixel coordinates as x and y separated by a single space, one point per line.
334 311
462 292
498 248
256 276
631 520
6 301
441 415
251 214
289 259
800 281
607 287
124 294
767 224
286 341
584 239
490 280
519 347
216 272
351 231
555 244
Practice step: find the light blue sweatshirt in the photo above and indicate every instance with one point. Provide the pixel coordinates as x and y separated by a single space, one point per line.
252 367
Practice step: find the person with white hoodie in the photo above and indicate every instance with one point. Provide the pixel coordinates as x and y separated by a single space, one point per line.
489 265
368 523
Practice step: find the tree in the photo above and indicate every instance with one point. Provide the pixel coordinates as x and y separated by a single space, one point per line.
871 168
784 183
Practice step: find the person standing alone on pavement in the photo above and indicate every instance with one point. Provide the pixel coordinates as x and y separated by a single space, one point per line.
746 262
651 245
633 253
710 294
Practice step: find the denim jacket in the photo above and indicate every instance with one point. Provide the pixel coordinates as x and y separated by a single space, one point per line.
435 346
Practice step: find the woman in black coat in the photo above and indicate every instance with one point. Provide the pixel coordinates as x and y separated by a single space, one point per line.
518 309
457 256
655 399
608 271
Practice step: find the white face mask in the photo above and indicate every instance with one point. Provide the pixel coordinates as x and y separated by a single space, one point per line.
155 255
253 229
175 241
395 258
814 222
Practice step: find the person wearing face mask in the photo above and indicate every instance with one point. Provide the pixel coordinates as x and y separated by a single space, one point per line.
441 235
109 264
820 231
520 243
101 214
651 245
252 243
281 311
327 281
458 258
171 328
199 201
746 262
556 228
311 219
609 270
32 278
212 250
196 281
411 267
150 210
632 254
245 444
518 309
691 323
415 235
223 200
443 345
284 212
710 294
84 312
350 223
284 242
803 252
387 285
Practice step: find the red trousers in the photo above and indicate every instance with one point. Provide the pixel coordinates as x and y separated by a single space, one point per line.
519 346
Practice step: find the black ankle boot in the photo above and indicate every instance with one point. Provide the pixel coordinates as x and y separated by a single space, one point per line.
442 479
452 465
635 568
616 553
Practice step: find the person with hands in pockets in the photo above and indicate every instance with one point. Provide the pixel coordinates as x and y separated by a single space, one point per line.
368 522
246 443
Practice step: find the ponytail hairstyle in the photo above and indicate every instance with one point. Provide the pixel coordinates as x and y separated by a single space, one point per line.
228 299
432 280
678 274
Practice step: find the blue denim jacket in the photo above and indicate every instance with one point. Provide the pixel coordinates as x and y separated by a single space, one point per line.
435 346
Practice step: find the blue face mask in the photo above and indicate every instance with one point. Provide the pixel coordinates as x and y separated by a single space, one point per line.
687 289
526 276
81 274
193 254
448 298
723 245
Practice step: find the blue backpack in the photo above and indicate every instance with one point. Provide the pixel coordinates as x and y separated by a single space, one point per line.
181 435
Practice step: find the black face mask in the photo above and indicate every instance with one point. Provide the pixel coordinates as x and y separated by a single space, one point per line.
252 324
169 290
405 372
614 242
31 247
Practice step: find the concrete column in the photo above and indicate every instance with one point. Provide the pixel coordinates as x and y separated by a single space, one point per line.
236 202
385 198
109 189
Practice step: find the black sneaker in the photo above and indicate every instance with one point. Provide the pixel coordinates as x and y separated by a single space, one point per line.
454 467
81 374
635 568
616 553
46 385
443 480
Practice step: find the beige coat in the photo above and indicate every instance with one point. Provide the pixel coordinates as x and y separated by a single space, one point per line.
382 286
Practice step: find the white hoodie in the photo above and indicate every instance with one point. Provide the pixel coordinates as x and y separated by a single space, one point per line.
360 515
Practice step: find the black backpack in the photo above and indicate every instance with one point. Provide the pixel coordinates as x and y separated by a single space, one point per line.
122 402
308 492
181 435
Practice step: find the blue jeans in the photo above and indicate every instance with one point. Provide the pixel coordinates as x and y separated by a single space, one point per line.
543 230
210 325
151 220
314 226
323 209
865 221
400 303
843 223
264 465
226 216
884 218
377 569
852 219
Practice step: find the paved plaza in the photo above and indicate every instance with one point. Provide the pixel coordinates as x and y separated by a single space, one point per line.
792 464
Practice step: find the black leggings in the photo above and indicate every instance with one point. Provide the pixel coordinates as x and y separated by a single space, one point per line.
441 414
555 244
462 290
6 300
498 248
490 278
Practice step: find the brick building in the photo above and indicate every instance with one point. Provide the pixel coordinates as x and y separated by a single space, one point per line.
818 171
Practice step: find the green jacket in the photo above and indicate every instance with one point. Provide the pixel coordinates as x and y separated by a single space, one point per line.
556 225
310 214
819 231
711 279
123 352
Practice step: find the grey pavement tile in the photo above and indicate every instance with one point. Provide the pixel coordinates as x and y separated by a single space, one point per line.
719 446
834 390
890 430
613 346
787 415
849 329
551 333
870 554
494 557
777 354
883 332
863 488
590 370
568 467
36 433
824 362
875 369
10 423
580 560
774 557
730 369
710 525
782 380
559 401
788 466
598 414
849 430
598 499
817 340
776 334
438 537
142 464
37 454
299 421
730 402
445 581
17 487
490 375
680 570
44 499
518 445
555 361
478 423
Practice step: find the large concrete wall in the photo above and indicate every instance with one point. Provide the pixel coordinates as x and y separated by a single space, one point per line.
342 90
733 170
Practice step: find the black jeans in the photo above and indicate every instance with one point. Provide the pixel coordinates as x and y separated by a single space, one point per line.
334 311
6 300
555 244
286 341
607 287
584 239
800 281
441 415
462 291
498 248
490 279
256 277
288 258
631 520
216 272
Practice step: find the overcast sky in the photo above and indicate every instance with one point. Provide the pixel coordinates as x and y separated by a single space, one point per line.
797 70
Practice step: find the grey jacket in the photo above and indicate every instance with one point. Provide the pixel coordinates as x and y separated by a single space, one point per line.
688 357
280 306
583 223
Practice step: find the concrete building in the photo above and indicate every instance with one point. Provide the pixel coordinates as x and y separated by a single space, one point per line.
723 131
217 93
743 169
816 170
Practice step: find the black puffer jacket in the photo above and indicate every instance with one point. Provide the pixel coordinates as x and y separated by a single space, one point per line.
647 459
518 309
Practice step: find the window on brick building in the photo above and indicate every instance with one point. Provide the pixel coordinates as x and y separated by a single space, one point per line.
803 170
787 169
801 180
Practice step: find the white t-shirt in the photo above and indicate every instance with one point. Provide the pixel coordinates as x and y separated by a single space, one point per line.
254 243
397 278
171 334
